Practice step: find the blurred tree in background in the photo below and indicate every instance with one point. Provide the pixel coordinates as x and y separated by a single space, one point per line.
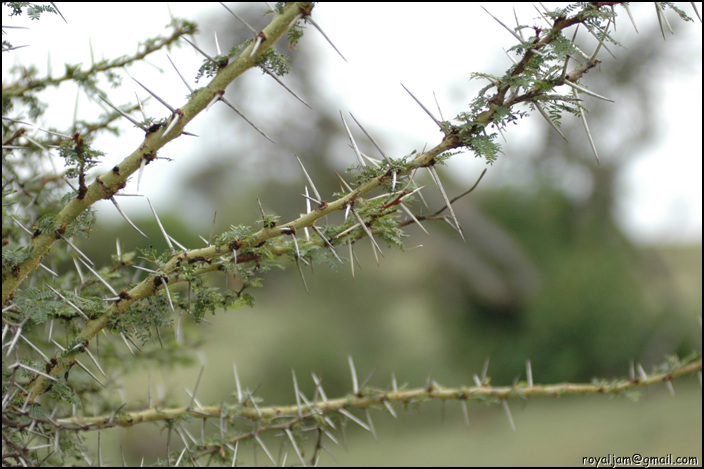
546 273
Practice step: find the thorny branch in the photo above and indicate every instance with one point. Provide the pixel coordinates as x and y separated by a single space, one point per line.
318 415
368 397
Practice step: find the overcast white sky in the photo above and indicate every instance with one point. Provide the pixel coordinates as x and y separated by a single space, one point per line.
428 48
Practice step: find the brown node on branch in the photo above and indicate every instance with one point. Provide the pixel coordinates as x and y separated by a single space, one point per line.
109 191
60 231
82 189
153 128
199 259
49 366
124 295
430 163
158 281
306 10
78 140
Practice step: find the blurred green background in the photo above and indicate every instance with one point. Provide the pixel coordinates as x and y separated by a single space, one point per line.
546 274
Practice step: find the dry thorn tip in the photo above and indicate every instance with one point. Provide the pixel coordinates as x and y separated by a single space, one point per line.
309 19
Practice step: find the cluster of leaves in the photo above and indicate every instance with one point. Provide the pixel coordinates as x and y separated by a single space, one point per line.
34 10
540 66
210 68
275 62
79 157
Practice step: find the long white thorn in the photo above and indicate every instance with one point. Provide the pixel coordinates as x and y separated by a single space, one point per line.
299 259
601 41
355 383
124 215
217 43
75 248
100 279
438 106
78 310
37 349
57 11
257 44
354 419
95 361
485 370
232 106
389 408
161 227
309 19
587 91
179 73
142 165
376 256
354 144
661 13
199 50
296 392
371 424
195 390
319 386
583 117
327 243
155 96
124 114
513 33
437 122
628 10
295 446
463 402
371 139
310 181
266 450
32 370
237 383
434 174
413 217
239 18
549 121
278 80
366 229
175 119
508 413
349 244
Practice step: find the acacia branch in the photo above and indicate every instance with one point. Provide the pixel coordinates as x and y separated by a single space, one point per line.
371 397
